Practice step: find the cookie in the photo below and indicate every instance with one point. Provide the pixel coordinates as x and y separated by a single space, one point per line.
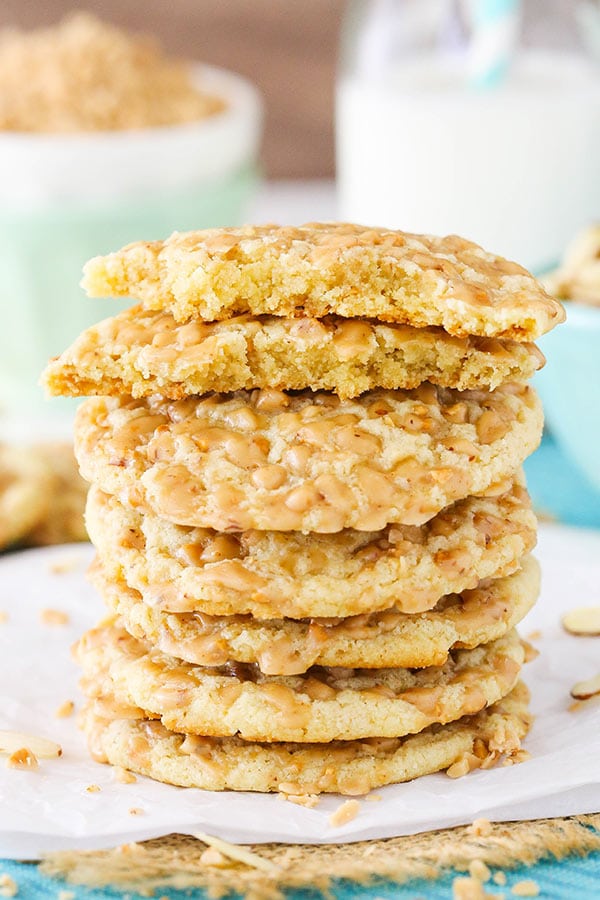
306 462
63 521
290 647
25 489
322 268
141 353
323 704
273 574
125 737
578 278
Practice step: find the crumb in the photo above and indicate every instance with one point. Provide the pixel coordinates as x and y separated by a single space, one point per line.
531 652
463 766
136 811
373 798
534 635
465 888
213 857
525 889
479 870
22 759
93 789
519 756
54 617
63 565
344 813
124 776
307 800
481 827
8 887
3 616
65 710
85 75
499 878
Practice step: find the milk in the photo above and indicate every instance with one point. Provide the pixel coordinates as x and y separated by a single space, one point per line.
516 169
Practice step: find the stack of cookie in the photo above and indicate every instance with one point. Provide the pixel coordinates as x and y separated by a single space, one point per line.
311 522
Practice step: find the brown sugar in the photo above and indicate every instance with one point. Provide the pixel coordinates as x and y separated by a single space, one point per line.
86 75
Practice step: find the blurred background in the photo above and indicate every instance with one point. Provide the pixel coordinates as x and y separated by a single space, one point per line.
480 117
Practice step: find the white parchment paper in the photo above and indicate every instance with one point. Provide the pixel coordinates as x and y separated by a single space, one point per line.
50 808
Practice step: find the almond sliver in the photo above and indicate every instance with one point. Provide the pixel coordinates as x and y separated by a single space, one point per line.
584 690
10 741
585 620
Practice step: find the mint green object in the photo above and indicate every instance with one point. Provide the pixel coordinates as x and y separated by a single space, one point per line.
569 386
41 257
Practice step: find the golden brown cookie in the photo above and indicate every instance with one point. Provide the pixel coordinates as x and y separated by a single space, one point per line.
323 704
322 268
124 736
63 521
290 647
140 353
25 491
306 462
270 574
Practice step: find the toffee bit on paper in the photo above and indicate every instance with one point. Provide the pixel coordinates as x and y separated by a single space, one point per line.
15 740
467 763
534 635
480 827
136 811
583 621
307 800
65 710
63 565
54 617
525 888
479 870
8 886
519 756
22 758
124 776
344 813
531 652
93 789
239 854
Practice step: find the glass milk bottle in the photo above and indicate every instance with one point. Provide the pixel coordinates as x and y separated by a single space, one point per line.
475 117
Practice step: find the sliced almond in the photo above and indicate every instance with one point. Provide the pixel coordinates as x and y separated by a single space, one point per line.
239 854
584 690
41 747
585 620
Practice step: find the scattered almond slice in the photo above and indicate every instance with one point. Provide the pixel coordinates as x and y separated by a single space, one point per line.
234 851
344 813
584 690
307 800
93 789
54 617
124 776
41 747
585 620
65 710
22 758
